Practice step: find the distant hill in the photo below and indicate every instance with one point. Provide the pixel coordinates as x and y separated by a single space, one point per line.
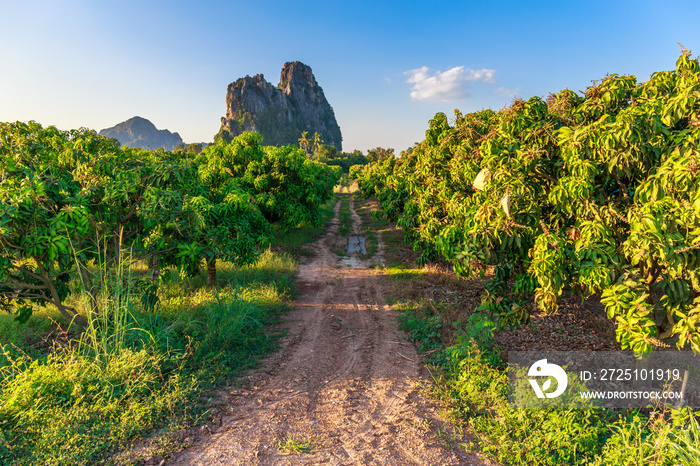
141 133
280 113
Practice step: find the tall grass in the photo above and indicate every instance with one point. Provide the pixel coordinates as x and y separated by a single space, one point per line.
69 409
110 310
134 366
345 215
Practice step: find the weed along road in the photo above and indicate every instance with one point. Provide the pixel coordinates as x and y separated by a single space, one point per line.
345 388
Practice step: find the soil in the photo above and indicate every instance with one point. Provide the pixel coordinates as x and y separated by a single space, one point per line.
345 380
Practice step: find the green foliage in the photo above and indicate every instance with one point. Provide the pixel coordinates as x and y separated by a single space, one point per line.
422 325
475 383
331 156
596 194
287 187
63 196
192 148
379 153
295 445
70 198
214 221
295 240
69 410
78 214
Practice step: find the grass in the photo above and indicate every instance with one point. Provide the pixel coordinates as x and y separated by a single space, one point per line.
31 338
344 218
69 397
345 215
471 378
296 445
295 241
67 409
224 330
422 325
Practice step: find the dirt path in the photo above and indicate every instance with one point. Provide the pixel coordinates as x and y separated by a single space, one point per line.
345 379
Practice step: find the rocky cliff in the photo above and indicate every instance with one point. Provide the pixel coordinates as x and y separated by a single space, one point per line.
280 114
141 133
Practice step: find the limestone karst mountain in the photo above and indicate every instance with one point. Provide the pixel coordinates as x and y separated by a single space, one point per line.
141 133
280 113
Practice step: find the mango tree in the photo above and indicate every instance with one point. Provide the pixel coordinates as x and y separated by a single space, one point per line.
41 210
288 187
594 195
202 212
68 205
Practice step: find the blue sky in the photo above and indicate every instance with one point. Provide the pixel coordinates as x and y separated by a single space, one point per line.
385 67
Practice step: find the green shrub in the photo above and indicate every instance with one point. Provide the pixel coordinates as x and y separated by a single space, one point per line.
68 409
474 380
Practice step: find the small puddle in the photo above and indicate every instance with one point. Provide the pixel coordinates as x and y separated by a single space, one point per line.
356 244
350 261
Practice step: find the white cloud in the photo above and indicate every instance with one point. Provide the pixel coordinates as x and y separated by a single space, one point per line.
507 92
445 86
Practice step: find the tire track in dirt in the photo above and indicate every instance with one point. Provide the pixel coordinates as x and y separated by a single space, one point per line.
345 378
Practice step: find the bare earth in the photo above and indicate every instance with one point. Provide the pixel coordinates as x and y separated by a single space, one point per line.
345 379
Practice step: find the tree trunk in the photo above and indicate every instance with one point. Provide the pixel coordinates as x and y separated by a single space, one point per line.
211 272
67 312
153 265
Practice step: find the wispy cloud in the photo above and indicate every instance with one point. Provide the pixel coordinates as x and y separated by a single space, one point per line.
445 86
507 92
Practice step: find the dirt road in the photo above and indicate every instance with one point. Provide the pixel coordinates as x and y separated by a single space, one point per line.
345 379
